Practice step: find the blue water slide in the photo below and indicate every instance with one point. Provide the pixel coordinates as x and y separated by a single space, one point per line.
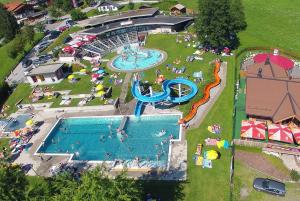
138 108
165 95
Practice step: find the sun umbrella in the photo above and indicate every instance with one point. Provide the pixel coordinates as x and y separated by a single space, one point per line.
100 93
71 77
211 155
253 129
100 71
296 134
29 122
280 132
99 87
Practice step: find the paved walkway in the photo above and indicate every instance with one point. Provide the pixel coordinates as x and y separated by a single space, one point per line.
124 88
290 161
214 95
259 162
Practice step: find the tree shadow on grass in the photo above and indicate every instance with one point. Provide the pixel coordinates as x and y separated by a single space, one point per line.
165 190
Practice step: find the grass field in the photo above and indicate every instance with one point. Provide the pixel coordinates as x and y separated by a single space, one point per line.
244 178
7 64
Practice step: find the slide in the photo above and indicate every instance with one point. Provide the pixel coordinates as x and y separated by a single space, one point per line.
206 96
165 94
138 108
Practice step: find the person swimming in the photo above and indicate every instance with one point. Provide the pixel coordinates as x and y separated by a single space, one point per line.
102 138
107 155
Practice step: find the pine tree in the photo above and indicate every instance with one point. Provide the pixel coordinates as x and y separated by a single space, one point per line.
217 23
8 24
238 15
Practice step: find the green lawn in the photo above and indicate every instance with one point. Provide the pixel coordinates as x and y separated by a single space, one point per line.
243 191
83 86
7 64
272 23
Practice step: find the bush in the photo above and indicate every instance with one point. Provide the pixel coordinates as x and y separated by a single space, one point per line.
294 175
131 5
76 14
76 67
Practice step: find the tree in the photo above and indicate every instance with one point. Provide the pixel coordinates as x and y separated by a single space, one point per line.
131 5
76 14
125 189
28 34
40 27
65 5
238 15
216 25
54 12
9 26
17 46
95 185
13 183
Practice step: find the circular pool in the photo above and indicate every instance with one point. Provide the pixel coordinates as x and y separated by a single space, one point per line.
137 59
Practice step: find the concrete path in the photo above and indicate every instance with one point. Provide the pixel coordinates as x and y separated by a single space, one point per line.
290 161
214 95
125 87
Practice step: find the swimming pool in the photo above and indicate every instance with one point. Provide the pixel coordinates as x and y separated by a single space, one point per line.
16 123
136 59
96 138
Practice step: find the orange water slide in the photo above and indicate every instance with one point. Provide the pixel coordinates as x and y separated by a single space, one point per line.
206 95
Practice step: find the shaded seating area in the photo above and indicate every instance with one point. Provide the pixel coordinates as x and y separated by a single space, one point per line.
253 130
281 133
267 131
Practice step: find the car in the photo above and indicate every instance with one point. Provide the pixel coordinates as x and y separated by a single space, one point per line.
63 28
269 186
67 39
26 63
45 57
70 23
38 62
53 35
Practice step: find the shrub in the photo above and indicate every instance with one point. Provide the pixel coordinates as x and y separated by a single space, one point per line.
294 175
76 14
76 67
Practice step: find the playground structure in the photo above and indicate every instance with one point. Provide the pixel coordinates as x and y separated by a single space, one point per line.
167 85
205 97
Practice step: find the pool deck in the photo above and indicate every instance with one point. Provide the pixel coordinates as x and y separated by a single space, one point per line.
42 163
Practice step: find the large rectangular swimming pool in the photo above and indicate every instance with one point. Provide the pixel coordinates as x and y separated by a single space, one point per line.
98 139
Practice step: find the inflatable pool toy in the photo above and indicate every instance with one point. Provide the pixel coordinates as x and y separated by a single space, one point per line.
211 155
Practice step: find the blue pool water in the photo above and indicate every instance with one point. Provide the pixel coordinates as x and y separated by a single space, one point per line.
96 139
135 59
